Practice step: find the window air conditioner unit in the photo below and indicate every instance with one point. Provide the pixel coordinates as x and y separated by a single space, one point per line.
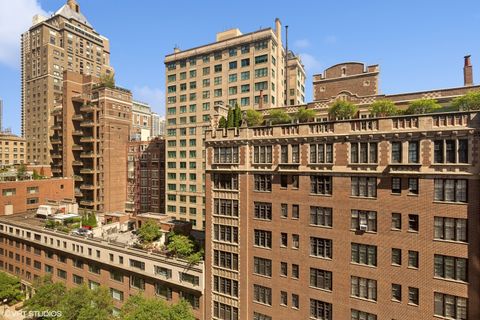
363 227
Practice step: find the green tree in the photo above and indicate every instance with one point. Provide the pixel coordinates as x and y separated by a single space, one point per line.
149 231
237 115
107 80
304 115
253 117
138 307
342 110
279 117
81 303
469 101
21 172
89 219
383 108
48 295
36 175
230 118
180 245
222 123
10 288
422 106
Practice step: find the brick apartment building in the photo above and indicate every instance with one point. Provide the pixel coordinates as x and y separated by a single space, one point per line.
22 196
365 218
29 251
146 176
12 149
90 136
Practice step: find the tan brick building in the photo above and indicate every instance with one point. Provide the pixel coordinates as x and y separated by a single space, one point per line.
26 195
90 137
12 149
29 251
65 41
141 121
367 218
146 176
244 69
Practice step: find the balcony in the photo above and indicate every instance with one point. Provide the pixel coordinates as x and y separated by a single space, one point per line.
86 186
82 98
87 203
77 163
87 171
56 141
87 123
87 108
56 156
87 139
89 154
56 170
77 133
77 117
56 127
56 111
78 193
78 178
77 147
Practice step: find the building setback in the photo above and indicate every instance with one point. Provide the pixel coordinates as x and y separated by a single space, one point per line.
244 69
91 134
366 218
66 41
146 176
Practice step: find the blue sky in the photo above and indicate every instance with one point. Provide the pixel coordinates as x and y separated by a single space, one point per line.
419 44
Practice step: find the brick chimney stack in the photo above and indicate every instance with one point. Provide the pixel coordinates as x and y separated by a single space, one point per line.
73 5
467 72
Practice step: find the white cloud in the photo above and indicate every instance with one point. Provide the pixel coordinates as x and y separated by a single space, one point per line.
155 97
311 64
15 18
302 43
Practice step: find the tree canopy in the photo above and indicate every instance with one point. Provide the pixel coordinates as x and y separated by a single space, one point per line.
149 231
48 295
469 101
422 106
139 307
279 117
254 117
10 288
82 303
304 115
180 245
107 80
222 123
342 110
383 108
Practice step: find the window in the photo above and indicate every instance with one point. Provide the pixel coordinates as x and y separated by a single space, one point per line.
362 315
295 211
283 298
396 152
412 259
94 269
262 154
137 264
225 207
363 152
225 259
263 182
396 292
295 181
295 241
283 239
116 294
116 275
295 153
451 151
217 68
163 291
364 187
295 301
321 153
137 282
283 269
413 222
224 311
321 279
225 233
225 181
163 272
261 59
283 181
320 247
262 294
263 211
284 210
413 295
413 152
451 190
396 185
245 62
364 288
396 221
413 185
225 286
396 256
449 306
364 220
320 310
321 185
364 254
226 155
263 238
259 73
321 216
452 268
284 153
262 266
245 75
450 229
61 273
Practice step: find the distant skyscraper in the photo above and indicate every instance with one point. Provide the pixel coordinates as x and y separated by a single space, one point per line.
64 41
1 115
158 125
141 121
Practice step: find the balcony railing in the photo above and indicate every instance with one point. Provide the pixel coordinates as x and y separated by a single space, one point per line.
87 154
87 139
77 117
87 123
77 133
77 163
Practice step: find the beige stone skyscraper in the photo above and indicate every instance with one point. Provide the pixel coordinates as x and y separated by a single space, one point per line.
66 41
244 69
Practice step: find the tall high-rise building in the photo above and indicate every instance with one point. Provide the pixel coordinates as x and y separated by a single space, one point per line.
361 218
158 125
91 131
244 69
296 80
66 41
1 115
141 121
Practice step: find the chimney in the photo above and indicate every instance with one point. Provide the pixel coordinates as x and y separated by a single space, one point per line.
73 5
176 49
278 30
467 72
260 102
